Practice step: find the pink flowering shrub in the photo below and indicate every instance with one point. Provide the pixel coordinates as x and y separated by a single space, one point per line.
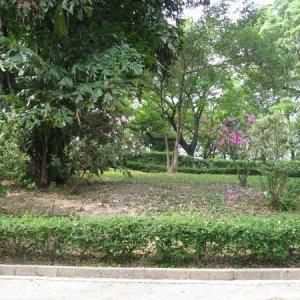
234 139
207 136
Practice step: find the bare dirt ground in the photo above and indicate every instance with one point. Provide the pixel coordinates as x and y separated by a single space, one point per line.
144 193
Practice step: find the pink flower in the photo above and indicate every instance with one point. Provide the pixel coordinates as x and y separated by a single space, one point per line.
220 142
239 140
232 137
230 119
236 139
251 118
232 196
203 128
224 128
204 120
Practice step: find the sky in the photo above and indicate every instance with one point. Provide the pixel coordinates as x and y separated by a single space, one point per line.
195 12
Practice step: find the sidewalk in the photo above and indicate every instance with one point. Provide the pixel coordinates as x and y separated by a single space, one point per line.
36 288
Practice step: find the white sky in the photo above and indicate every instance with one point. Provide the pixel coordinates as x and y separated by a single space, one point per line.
194 13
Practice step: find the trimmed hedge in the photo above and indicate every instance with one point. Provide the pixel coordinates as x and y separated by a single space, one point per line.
167 239
156 162
160 158
138 166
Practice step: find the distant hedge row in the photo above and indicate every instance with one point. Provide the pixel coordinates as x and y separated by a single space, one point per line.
145 167
156 162
173 239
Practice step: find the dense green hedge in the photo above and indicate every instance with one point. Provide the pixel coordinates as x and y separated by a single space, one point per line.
160 158
156 162
146 167
167 239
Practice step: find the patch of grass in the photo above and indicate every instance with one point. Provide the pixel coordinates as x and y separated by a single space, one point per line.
174 178
146 194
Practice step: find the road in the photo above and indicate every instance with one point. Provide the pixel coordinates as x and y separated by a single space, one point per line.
32 288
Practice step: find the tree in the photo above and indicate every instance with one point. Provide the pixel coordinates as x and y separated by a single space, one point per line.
270 135
219 56
281 24
289 108
61 60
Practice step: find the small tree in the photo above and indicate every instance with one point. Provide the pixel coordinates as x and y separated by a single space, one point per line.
270 135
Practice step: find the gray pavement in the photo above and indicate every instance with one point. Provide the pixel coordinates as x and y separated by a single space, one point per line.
46 288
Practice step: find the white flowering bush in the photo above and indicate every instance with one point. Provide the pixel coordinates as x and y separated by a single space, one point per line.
270 136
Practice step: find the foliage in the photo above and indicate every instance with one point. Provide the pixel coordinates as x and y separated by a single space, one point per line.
60 60
290 109
3 191
223 66
148 167
156 162
277 175
169 239
235 140
270 135
291 197
13 162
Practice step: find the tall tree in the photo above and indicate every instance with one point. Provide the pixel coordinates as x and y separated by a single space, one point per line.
218 54
63 60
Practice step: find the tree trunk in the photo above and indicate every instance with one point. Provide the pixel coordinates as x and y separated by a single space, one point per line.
191 147
293 155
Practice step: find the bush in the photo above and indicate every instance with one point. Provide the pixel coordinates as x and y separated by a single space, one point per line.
156 162
146 167
3 191
291 197
171 239
160 158
276 176
13 162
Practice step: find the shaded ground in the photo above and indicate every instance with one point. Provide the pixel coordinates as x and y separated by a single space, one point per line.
144 193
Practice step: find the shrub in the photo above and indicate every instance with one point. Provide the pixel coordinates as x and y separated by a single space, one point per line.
13 161
160 158
291 196
236 141
168 239
156 162
3 190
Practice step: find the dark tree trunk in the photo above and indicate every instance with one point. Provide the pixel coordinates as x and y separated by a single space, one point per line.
47 143
191 147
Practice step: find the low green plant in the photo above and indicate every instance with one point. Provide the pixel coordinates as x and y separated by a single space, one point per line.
13 161
291 196
168 239
28 184
3 191
276 176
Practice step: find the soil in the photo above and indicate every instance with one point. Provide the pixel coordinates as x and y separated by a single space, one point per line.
135 196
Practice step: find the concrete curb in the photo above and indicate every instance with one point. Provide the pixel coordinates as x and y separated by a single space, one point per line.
151 273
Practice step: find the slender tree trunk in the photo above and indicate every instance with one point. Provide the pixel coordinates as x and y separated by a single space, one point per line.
44 180
174 163
165 127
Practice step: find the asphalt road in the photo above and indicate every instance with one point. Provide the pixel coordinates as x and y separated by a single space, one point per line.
43 288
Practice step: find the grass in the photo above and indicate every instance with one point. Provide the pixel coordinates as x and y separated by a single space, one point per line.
173 178
145 193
